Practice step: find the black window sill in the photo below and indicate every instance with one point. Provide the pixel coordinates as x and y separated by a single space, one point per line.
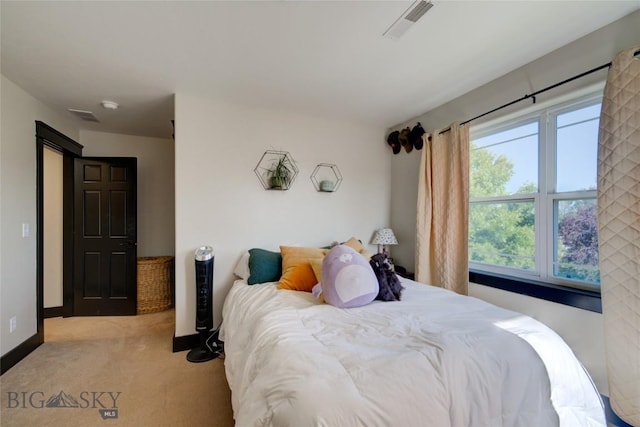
586 300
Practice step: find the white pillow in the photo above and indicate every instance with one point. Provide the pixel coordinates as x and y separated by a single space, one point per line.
242 267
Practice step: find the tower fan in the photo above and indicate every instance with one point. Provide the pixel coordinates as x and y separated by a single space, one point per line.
210 347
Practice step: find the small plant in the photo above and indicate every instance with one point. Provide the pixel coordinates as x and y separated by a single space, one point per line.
280 173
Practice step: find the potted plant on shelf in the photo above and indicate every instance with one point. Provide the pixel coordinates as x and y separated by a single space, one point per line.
280 173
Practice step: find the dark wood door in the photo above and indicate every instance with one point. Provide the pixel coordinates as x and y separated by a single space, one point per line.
105 236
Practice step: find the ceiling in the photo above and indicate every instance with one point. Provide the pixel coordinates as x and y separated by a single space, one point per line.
324 58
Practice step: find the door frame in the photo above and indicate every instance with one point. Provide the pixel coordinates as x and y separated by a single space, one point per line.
70 149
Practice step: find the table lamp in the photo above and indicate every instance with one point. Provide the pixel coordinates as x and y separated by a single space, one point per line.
383 237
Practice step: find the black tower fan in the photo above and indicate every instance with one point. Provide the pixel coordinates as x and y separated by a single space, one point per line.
209 346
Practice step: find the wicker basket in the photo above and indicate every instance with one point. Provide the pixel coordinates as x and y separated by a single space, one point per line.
155 282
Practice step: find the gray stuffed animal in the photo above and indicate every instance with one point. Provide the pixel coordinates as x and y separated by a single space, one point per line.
390 286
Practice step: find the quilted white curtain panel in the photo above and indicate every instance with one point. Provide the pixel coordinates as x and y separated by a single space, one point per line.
442 223
619 231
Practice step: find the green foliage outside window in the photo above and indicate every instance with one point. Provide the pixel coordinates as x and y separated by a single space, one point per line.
502 232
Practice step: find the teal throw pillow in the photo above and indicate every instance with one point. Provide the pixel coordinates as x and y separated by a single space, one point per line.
264 266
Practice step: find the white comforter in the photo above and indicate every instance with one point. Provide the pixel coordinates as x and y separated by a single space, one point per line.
434 359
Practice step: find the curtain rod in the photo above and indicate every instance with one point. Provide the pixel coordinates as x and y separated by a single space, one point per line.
533 95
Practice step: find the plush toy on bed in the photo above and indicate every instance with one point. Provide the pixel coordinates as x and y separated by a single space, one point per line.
390 286
347 278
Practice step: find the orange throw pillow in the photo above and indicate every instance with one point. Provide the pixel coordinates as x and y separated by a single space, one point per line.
297 273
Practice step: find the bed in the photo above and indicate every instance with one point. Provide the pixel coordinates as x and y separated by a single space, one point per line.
435 358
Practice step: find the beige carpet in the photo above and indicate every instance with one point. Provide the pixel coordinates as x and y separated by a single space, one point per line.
83 357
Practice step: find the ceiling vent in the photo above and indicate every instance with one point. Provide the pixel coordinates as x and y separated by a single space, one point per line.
87 116
407 19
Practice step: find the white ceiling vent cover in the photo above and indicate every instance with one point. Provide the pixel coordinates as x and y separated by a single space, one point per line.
87 116
407 19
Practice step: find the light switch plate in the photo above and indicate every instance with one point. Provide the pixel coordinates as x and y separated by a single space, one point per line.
25 229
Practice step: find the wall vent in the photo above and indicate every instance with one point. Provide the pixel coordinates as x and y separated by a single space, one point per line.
87 116
407 19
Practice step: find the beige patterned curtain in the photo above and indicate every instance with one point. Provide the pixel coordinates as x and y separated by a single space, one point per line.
619 231
442 226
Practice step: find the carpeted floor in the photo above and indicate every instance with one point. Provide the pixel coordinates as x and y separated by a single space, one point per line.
90 366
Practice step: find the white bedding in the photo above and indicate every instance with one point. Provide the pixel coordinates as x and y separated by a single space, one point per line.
433 359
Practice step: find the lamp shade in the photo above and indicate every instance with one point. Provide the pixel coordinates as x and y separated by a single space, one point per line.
384 236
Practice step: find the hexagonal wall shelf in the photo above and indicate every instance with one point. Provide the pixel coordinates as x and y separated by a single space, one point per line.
326 178
276 170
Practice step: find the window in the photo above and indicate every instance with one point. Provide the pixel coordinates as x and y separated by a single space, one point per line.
532 210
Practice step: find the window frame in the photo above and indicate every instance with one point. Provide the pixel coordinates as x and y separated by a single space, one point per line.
545 223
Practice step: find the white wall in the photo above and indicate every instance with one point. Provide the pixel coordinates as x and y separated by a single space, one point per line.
220 202
52 228
580 328
18 113
156 219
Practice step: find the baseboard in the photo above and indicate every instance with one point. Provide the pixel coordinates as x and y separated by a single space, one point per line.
50 312
612 419
185 342
14 356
